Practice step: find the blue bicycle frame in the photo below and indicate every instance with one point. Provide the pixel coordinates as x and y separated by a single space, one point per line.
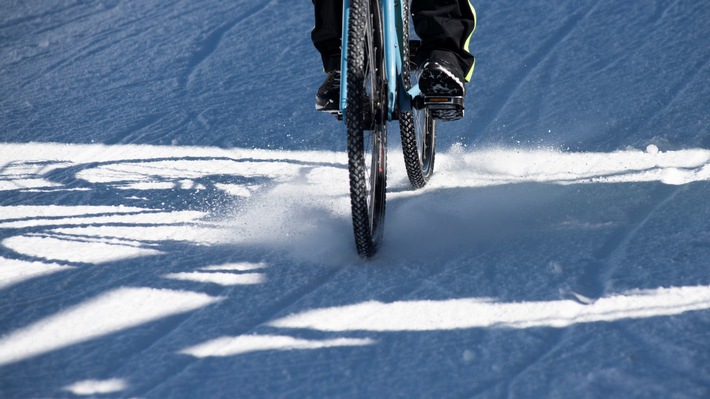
392 31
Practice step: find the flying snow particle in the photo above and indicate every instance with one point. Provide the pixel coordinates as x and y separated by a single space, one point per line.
468 356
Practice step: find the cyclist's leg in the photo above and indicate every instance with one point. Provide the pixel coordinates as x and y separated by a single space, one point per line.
326 34
326 37
445 27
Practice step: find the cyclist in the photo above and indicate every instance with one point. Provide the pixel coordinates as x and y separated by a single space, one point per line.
444 27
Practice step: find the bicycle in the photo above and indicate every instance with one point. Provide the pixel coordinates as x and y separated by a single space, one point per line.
377 87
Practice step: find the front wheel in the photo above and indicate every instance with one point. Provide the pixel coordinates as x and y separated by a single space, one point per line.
366 121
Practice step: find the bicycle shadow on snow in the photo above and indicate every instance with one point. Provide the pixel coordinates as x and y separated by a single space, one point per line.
231 283
130 248
496 274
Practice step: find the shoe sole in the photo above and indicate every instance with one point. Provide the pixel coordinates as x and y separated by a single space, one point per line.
329 107
447 115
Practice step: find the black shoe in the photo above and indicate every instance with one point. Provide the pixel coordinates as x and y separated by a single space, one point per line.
443 88
328 96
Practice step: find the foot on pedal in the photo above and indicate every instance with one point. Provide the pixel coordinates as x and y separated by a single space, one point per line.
328 95
443 91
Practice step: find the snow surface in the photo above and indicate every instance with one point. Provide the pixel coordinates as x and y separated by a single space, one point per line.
174 217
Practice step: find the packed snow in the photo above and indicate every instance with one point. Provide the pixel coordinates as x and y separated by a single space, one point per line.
174 215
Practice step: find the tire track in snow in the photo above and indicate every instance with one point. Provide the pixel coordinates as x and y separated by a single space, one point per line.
667 363
96 44
593 282
210 43
60 10
553 337
661 12
489 114
674 94
553 340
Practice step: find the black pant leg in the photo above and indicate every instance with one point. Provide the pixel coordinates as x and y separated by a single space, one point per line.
326 34
445 27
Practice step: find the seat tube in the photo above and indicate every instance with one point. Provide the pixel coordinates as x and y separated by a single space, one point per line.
344 58
393 59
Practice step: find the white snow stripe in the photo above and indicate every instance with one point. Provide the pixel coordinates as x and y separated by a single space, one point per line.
478 313
97 387
109 313
13 271
224 279
231 346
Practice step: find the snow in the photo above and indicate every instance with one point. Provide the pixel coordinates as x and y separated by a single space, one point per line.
174 215
122 308
93 387
479 313
232 346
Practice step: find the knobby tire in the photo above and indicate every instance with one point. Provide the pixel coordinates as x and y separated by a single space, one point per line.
366 122
417 127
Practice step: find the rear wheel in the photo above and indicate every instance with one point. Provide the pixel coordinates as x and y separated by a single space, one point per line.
417 127
366 121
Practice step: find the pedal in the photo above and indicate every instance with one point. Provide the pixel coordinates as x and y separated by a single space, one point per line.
332 111
445 108
443 102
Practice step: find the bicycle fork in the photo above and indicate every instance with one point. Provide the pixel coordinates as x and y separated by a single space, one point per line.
392 58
